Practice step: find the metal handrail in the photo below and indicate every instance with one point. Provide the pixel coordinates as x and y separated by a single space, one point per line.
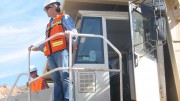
74 68
84 69
14 85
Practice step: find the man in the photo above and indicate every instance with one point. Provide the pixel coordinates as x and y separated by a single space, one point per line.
39 84
56 49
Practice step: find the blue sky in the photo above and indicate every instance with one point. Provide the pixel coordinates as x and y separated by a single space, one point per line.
22 23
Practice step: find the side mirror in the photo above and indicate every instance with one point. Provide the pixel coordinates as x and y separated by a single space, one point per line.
156 13
157 28
153 8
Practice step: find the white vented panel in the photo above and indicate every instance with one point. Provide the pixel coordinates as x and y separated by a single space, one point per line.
86 82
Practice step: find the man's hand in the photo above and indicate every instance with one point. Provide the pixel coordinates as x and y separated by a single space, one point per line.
33 48
67 33
29 48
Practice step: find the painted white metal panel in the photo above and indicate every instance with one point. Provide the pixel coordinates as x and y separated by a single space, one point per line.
145 65
102 87
146 80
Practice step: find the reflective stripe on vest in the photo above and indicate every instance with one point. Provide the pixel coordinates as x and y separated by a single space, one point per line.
58 43
37 85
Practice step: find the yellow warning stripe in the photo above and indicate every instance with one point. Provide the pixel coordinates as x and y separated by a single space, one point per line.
45 48
57 43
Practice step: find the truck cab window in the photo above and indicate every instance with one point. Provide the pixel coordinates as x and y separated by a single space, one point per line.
90 50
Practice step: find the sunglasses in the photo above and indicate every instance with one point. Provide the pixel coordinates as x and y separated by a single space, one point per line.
48 7
32 72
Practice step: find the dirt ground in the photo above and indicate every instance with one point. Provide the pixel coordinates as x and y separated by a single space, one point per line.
4 90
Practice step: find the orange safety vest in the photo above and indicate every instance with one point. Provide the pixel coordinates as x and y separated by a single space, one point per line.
58 43
36 86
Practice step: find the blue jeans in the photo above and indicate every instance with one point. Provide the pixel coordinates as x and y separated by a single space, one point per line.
60 78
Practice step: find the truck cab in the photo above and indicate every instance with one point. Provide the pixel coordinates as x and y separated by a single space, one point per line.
140 74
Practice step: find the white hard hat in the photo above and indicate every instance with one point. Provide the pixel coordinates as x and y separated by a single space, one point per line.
33 68
47 2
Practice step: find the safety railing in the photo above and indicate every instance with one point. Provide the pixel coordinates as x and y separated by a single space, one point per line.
70 68
10 92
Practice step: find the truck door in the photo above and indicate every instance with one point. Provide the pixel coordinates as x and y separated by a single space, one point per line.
144 57
91 85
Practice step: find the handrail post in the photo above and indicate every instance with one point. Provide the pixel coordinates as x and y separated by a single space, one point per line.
29 92
70 65
121 78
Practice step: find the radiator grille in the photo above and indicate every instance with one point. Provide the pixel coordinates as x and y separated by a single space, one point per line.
86 82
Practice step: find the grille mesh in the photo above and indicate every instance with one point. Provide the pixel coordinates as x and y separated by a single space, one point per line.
86 82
